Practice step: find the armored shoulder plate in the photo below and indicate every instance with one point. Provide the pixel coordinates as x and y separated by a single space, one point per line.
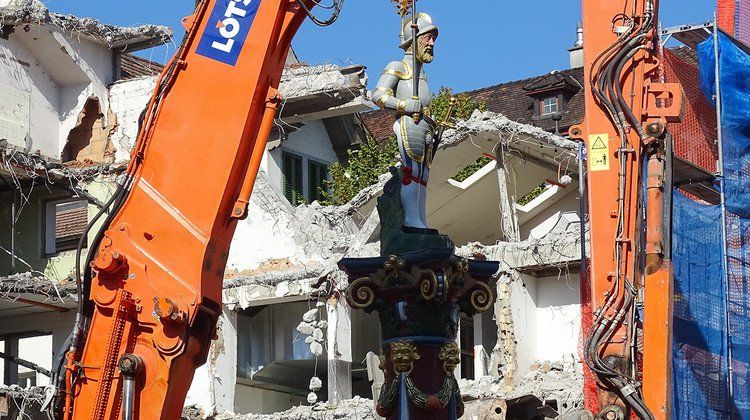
398 69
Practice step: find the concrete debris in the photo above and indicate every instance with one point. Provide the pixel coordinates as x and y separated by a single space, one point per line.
491 122
354 409
22 403
20 12
316 238
127 100
560 382
36 283
554 249
28 166
548 381
301 81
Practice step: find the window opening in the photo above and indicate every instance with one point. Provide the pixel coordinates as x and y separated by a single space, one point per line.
550 105
65 223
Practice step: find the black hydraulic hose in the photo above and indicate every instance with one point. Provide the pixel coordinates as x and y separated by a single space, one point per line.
25 363
336 7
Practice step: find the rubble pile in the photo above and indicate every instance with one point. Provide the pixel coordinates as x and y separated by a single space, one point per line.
354 409
22 403
35 283
548 381
321 236
301 80
490 122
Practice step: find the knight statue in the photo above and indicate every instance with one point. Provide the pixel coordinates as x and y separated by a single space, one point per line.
414 127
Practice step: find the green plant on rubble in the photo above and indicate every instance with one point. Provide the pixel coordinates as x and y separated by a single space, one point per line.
373 159
366 164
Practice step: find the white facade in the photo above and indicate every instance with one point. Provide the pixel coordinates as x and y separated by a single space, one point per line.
46 78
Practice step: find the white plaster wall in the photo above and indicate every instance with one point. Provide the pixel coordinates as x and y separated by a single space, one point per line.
266 233
213 386
96 62
558 302
547 318
58 83
36 350
523 305
311 142
127 100
44 120
568 203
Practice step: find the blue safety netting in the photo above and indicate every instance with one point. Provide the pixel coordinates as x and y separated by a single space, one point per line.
712 265
700 340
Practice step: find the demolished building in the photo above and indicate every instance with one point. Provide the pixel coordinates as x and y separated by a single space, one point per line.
282 267
287 337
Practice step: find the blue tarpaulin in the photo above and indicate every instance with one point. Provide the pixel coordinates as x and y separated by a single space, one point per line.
712 266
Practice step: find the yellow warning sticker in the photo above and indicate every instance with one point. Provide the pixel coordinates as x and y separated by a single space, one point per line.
599 152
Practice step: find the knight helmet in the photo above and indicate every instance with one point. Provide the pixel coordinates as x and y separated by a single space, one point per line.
424 26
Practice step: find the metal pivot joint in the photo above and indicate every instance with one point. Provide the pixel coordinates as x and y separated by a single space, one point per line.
130 366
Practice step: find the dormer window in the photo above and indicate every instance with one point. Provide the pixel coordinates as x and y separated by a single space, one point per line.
551 94
549 105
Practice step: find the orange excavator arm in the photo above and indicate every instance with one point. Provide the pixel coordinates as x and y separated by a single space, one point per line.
154 281
628 343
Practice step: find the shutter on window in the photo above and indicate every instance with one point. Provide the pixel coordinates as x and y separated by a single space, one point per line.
298 189
288 176
318 176
314 180
292 177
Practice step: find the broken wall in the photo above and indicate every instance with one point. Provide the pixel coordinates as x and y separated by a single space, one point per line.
29 101
128 99
47 76
311 142
298 237
89 142
547 318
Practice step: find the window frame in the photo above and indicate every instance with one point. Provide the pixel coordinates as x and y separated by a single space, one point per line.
543 105
48 236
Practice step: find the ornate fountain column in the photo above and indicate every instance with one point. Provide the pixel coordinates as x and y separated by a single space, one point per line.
419 290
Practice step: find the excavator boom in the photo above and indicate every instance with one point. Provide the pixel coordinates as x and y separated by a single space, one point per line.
156 278
628 345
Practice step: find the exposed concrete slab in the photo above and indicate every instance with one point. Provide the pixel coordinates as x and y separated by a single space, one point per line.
36 284
18 12
547 381
554 249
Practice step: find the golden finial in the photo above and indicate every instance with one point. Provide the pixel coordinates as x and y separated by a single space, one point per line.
402 6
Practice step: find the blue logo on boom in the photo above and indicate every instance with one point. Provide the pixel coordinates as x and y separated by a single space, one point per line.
227 30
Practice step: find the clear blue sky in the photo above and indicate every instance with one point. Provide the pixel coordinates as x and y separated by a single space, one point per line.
482 42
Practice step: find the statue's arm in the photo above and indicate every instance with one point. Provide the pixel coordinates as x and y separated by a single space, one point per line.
385 93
